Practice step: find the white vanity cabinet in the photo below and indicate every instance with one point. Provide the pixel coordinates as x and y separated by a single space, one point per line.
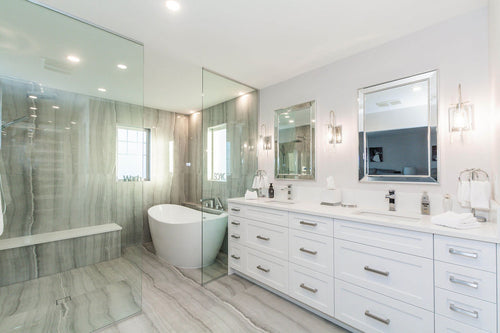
373 278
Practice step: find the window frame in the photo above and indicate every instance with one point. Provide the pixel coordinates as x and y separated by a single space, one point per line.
210 153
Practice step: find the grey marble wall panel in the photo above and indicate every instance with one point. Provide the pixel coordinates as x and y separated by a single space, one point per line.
31 262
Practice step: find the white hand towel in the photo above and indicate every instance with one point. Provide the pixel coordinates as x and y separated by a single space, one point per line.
463 195
480 194
456 221
256 182
263 182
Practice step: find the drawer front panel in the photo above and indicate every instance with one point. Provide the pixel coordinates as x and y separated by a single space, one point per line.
371 312
236 209
236 230
401 276
272 216
467 310
311 288
267 269
405 241
312 251
311 223
465 280
270 239
475 254
446 325
236 258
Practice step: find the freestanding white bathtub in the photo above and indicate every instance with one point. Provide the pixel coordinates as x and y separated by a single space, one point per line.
177 235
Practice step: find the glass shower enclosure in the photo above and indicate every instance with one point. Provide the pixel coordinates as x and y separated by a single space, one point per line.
229 130
71 165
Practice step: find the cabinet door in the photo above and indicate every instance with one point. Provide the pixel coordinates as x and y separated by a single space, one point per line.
312 251
267 269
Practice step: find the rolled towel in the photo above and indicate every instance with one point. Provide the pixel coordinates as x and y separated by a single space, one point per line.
463 195
456 221
480 194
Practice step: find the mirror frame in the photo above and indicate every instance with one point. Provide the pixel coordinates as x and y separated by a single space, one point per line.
312 132
432 78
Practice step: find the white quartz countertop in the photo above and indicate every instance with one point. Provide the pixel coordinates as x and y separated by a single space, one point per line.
488 231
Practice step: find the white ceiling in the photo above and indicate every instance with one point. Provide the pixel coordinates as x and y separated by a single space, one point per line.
259 42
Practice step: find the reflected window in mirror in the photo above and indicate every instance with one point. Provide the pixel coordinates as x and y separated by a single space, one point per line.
295 141
398 130
216 153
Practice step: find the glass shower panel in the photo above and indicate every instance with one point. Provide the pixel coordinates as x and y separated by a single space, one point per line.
70 231
229 148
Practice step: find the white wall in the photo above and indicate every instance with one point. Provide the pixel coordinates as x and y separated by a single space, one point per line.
457 48
494 49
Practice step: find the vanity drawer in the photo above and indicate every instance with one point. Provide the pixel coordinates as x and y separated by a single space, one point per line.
312 251
272 216
446 325
236 257
465 252
465 309
236 209
267 269
465 280
401 276
271 239
236 230
311 288
405 241
371 312
311 223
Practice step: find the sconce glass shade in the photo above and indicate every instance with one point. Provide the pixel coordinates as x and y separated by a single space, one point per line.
460 117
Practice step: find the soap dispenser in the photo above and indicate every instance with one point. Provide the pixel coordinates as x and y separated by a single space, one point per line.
271 191
425 204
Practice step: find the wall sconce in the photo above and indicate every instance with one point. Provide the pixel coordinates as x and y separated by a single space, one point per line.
334 130
460 114
265 141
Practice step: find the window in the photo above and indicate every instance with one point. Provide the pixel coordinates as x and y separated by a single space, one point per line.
216 153
133 153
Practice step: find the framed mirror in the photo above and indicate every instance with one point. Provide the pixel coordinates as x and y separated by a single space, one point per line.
398 130
294 134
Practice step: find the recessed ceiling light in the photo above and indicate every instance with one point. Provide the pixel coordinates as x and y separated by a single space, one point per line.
55 107
33 116
32 97
67 128
121 66
241 93
102 89
291 121
287 116
50 121
32 108
192 111
173 5
73 123
73 59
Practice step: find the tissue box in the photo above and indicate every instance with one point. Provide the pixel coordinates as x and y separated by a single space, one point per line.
331 197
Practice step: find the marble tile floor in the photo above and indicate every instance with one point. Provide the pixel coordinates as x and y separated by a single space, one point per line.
174 302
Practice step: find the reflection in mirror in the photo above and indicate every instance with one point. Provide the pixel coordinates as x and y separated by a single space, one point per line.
398 130
294 134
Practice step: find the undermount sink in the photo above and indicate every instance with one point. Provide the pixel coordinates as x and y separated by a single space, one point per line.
394 216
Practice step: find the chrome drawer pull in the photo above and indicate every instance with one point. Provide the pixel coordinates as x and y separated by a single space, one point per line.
308 251
263 238
313 290
263 269
308 223
235 223
462 253
473 314
474 284
235 209
235 257
376 271
236 236
385 321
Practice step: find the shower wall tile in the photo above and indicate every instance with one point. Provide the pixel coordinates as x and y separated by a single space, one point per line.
31 262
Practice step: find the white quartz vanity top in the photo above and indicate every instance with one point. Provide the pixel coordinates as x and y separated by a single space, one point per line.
487 232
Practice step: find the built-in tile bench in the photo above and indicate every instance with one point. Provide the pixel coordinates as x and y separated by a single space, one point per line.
30 257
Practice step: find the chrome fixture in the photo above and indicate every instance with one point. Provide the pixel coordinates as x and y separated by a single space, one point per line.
213 203
334 131
265 141
460 115
392 200
218 204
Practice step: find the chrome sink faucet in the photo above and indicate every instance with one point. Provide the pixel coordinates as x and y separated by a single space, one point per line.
392 200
